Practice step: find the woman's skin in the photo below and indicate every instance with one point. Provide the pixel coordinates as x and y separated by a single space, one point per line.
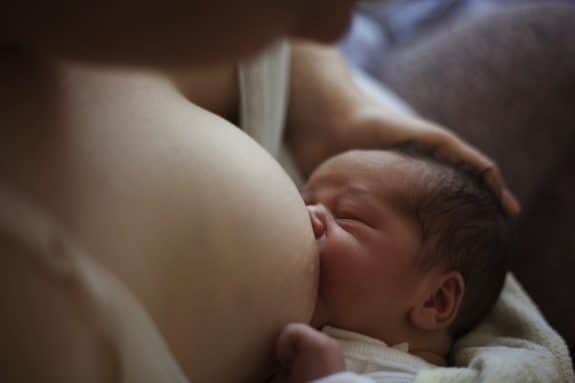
135 173
139 167
51 325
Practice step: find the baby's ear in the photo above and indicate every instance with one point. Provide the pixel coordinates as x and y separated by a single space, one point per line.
440 307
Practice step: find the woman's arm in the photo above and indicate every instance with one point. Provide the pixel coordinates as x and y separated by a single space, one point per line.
52 328
329 114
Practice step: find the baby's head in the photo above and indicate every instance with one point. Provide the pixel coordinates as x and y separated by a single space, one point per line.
412 249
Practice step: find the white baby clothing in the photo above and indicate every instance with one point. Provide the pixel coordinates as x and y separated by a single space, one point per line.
371 360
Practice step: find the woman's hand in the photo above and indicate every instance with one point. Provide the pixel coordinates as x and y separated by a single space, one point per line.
307 354
328 115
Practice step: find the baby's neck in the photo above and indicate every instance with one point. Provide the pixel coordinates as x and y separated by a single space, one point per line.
433 348
430 357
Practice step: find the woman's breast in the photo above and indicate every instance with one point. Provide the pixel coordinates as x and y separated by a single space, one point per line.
199 222
207 228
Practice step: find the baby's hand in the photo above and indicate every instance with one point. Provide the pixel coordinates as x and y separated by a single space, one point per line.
307 354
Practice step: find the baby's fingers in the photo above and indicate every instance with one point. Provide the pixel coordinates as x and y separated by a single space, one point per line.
307 354
286 345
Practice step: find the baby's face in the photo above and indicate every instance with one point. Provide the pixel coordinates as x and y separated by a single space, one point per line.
360 205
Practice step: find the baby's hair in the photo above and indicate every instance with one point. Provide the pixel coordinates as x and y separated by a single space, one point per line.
464 228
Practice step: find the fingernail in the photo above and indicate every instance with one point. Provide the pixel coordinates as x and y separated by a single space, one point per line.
510 202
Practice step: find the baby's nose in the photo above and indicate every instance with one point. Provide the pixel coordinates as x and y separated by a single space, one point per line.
317 215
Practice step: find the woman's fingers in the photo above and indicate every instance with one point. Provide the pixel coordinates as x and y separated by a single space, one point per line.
373 127
454 149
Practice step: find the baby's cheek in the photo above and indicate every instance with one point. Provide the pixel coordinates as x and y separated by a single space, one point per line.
344 295
340 270
336 257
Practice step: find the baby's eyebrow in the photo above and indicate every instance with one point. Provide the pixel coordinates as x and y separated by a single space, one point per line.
360 193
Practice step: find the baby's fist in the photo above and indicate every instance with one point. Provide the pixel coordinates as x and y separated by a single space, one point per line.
307 354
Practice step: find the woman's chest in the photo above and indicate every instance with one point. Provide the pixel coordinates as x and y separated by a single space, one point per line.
214 89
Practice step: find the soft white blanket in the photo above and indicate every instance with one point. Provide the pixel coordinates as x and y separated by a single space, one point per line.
514 344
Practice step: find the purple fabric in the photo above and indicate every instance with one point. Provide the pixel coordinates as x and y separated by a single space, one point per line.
379 26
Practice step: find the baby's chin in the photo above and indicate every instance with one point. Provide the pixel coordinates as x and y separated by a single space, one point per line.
319 318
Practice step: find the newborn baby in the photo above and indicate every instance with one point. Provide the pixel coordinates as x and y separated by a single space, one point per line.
413 255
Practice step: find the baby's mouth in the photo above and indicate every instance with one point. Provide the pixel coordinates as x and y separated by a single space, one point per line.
318 319
321 260
318 226
320 245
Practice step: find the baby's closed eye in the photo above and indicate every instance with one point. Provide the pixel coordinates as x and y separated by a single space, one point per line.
351 213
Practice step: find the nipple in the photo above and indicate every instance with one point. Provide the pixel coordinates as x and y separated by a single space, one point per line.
317 218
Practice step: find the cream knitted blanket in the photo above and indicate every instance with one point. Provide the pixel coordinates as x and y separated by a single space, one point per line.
514 344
